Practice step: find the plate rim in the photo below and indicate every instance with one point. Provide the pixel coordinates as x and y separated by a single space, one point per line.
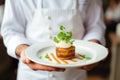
65 66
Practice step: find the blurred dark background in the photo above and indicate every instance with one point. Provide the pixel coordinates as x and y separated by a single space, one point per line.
8 65
2 2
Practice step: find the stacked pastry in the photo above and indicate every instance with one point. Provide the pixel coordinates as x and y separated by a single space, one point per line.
64 44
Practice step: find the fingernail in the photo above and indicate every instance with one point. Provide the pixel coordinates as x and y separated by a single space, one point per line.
27 61
62 70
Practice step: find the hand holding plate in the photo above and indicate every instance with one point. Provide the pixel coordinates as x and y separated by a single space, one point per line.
36 66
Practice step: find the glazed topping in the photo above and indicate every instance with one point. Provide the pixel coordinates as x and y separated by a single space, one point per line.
64 38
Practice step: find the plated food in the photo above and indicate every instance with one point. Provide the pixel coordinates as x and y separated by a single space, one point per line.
64 49
64 44
64 52
86 53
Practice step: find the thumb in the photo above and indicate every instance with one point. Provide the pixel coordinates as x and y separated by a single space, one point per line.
28 61
23 56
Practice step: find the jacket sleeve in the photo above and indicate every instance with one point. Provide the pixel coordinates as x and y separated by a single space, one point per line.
13 26
94 23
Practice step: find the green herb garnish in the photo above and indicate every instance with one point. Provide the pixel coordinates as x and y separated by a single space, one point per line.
64 35
56 40
40 57
62 27
47 56
86 57
83 56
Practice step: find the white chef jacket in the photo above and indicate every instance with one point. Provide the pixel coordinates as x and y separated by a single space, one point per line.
19 13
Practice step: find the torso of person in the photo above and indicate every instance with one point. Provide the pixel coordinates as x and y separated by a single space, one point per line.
44 20
42 23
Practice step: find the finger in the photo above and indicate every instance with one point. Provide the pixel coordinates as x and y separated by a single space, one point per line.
46 68
35 66
88 67
28 61
84 68
23 58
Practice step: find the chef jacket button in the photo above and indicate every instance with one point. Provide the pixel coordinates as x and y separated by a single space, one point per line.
50 37
49 28
48 17
51 75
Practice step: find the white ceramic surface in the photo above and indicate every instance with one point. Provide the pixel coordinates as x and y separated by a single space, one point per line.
93 50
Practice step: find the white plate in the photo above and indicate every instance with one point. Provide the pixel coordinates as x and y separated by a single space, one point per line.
95 51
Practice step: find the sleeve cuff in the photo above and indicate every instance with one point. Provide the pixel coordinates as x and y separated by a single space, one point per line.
91 36
13 43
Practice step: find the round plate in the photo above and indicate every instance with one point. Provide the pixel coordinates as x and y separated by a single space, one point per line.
86 53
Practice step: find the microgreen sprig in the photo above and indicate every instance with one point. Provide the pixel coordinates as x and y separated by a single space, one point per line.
64 35
86 57
47 56
40 57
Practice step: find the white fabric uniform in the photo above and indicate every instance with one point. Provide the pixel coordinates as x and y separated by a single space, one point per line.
30 21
